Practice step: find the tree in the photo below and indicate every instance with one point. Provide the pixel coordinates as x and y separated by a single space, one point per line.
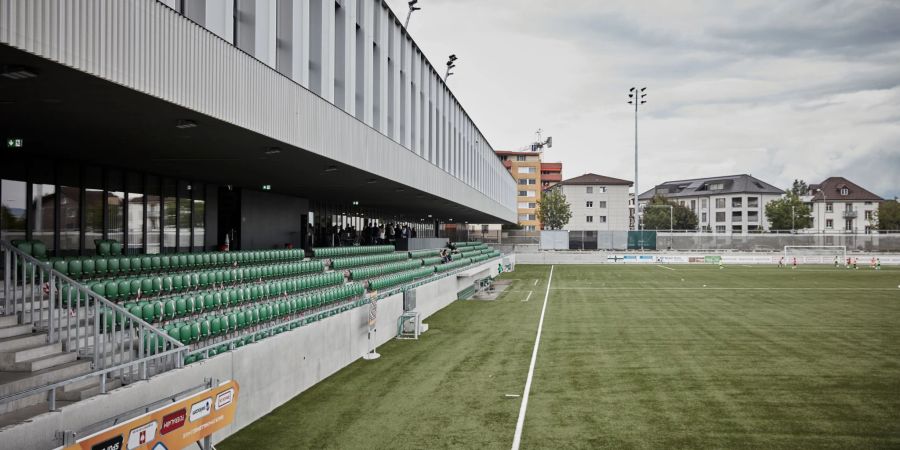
656 215
788 213
799 188
889 215
553 210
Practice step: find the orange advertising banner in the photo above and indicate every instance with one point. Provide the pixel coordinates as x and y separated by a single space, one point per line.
172 427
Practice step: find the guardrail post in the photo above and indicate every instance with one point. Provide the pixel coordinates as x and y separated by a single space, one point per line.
96 333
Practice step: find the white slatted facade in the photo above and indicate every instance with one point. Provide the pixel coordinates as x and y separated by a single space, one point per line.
283 80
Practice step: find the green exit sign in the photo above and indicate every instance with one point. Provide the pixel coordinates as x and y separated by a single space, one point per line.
14 143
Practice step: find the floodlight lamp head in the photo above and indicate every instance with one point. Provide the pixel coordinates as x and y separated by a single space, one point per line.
643 89
453 57
642 102
631 90
630 102
630 95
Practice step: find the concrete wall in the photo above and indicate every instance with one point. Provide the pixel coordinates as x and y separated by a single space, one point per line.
270 372
600 257
271 220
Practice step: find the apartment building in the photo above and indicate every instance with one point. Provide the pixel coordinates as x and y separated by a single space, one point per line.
597 202
733 204
838 204
528 170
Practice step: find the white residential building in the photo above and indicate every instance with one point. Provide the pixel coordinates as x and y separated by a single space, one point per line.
733 204
838 204
597 202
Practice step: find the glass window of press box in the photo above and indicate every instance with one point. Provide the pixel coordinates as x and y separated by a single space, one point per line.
70 207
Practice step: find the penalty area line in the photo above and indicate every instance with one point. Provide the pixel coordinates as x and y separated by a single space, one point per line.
520 423
529 296
665 267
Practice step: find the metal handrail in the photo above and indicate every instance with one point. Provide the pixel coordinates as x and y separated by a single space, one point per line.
127 333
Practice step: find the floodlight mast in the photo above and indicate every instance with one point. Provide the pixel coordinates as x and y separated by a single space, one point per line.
636 97
412 8
451 64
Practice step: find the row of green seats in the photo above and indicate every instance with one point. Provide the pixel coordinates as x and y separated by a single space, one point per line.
363 273
433 261
399 278
461 244
419 254
156 310
89 267
330 252
455 264
472 253
355 261
124 288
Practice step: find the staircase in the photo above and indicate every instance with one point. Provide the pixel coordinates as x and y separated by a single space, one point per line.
61 342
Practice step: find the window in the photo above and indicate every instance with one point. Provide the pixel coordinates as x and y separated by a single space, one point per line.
753 216
703 217
520 157
848 225
532 205
601 219
693 205
523 181
829 223
14 203
845 191
716 187
69 219
868 203
868 215
720 203
720 216
43 205
736 202
93 221
737 228
523 205
589 190
829 207
530 228
602 204
737 216
588 204
135 223
589 219
720 228
523 193
601 189
752 202
527 170
681 203
530 194
849 207
532 181
154 209
704 203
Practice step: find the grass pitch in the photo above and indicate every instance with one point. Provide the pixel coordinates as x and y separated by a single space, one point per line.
630 357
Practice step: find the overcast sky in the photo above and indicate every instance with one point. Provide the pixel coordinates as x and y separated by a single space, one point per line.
781 90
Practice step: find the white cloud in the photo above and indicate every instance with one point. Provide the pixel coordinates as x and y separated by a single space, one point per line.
801 89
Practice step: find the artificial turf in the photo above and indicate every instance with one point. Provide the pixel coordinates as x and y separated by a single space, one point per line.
630 357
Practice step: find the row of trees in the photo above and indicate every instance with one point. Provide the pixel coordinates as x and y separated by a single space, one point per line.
786 213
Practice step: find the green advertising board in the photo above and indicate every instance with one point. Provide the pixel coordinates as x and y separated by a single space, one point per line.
712 259
642 240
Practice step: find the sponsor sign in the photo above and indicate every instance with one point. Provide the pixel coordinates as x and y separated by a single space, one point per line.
142 435
114 443
201 409
173 421
177 425
224 399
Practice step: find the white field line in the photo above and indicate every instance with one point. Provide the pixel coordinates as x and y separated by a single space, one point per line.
535 281
723 289
529 296
520 424
665 267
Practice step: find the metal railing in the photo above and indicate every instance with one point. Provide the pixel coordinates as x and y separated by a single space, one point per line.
118 343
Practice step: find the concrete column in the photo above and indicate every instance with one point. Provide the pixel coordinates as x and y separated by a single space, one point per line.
327 43
397 59
368 29
384 25
407 89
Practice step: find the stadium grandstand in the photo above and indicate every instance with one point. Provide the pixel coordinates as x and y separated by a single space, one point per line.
225 190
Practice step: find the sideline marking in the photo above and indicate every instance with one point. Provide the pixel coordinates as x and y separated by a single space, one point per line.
664 267
517 438
529 296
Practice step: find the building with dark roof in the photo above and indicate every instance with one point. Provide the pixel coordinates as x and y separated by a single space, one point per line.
839 204
598 202
724 204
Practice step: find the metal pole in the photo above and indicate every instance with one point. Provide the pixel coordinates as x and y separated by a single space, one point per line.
671 221
406 23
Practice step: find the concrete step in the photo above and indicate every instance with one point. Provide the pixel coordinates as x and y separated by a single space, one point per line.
15 330
91 389
13 382
43 362
8 321
24 354
19 342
